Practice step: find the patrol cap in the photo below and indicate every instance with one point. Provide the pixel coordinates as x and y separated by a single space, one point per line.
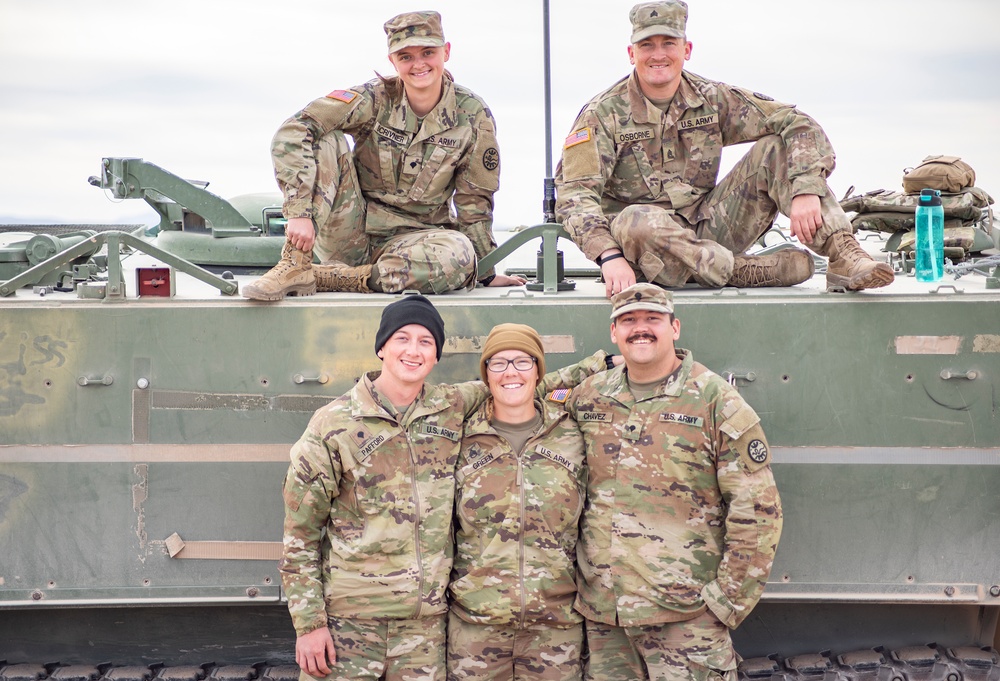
658 18
642 297
414 29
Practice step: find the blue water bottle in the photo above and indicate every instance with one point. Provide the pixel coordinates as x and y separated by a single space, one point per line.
930 236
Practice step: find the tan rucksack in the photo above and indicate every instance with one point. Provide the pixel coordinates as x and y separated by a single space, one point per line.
948 173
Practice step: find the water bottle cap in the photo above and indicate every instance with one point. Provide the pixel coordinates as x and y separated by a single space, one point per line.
930 197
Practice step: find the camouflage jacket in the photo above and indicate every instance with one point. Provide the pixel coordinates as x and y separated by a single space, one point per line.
623 150
369 501
515 556
409 171
682 510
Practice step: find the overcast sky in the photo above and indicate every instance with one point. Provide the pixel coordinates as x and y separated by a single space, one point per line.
198 87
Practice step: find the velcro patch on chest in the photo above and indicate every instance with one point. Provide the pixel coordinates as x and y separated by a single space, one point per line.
698 122
685 419
593 416
629 136
366 441
558 458
448 142
390 134
346 96
438 431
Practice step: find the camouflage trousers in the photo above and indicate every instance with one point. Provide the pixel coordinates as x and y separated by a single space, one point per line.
424 260
428 260
393 650
486 652
699 649
668 249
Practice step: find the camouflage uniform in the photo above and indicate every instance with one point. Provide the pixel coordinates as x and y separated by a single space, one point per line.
388 201
369 500
682 515
624 151
382 488
514 580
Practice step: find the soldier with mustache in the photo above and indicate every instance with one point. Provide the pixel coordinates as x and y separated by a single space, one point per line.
682 518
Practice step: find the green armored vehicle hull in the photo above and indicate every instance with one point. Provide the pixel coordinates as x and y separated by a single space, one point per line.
143 440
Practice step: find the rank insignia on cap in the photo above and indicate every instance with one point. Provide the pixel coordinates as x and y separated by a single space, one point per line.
577 137
560 395
345 96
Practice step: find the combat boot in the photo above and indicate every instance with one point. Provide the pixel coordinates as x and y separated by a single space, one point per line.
292 276
787 267
851 267
337 276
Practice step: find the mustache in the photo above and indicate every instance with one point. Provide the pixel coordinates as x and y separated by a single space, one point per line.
641 336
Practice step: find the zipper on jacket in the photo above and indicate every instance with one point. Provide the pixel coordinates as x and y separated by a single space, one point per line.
520 536
416 529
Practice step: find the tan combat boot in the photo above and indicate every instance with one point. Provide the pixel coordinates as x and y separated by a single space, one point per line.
337 276
292 276
787 267
850 267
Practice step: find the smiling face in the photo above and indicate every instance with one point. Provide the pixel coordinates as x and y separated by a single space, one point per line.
421 68
511 387
408 357
658 62
646 340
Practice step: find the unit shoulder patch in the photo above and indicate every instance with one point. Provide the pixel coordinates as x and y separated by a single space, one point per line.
753 449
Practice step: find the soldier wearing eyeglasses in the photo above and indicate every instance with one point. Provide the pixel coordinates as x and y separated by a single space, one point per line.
521 485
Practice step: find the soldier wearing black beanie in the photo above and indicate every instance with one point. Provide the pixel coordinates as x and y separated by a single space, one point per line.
412 309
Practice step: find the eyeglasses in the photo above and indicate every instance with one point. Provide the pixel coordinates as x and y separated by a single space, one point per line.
498 365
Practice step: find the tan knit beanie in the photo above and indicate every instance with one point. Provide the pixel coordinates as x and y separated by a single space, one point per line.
513 337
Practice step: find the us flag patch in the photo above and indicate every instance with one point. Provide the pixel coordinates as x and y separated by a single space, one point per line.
560 395
577 137
345 96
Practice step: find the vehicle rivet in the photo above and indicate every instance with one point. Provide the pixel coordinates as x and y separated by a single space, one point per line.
949 591
995 591
952 677
253 592
37 595
142 383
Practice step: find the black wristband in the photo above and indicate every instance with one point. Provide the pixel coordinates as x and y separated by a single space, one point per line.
613 256
486 281
609 362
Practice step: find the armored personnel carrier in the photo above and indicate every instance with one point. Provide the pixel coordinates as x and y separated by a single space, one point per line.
146 413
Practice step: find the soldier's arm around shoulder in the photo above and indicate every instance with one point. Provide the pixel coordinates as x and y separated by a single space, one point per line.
753 515
587 162
477 178
311 484
292 148
574 374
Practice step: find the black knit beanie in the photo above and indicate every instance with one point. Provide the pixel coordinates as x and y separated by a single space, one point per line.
412 309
